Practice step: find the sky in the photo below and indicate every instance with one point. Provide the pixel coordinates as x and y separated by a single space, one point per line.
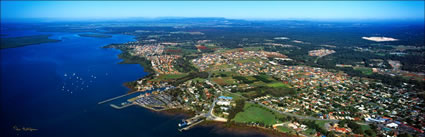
228 9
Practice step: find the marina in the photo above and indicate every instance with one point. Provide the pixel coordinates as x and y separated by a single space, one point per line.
154 100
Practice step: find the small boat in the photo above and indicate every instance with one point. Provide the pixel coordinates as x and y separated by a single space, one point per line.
183 124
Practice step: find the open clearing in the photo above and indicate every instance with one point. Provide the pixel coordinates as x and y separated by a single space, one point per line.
366 71
255 113
277 85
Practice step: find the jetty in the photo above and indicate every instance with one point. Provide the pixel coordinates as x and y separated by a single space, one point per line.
193 121
191 125
101 102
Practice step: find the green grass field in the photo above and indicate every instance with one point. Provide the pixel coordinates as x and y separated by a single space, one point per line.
365 127
366 71
255 113
284 129
198 79
251 60
264 78
224 80
277 85
235 96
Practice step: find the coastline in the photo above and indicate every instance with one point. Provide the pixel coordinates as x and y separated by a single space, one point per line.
240 129
41 62
16 42
127 59
177 112
218 127
130 88
224 128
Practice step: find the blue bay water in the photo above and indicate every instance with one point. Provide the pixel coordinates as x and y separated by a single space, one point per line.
55 88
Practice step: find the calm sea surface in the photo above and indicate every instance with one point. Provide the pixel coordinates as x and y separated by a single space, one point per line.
55 88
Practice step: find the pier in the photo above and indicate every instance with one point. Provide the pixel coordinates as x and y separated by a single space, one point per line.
193 121
191 125
101 102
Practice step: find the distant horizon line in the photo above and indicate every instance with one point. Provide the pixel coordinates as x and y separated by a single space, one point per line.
118 19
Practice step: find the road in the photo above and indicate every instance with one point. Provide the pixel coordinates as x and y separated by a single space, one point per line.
210 112
210 115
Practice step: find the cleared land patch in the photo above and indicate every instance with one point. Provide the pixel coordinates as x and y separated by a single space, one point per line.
366 71
278 85
255 113
224 80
